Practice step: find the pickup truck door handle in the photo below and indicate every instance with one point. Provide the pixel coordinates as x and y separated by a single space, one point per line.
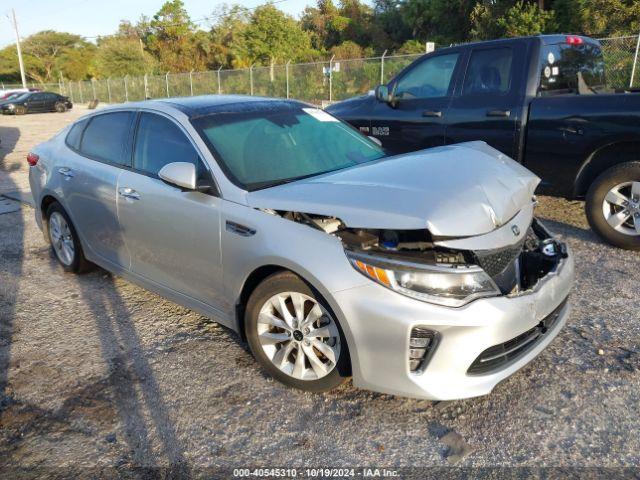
129 193
66 172
432 113
499 113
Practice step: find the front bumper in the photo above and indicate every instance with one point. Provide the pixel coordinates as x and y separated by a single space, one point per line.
380 322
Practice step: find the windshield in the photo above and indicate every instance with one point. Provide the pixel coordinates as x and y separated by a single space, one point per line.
571 69
263 148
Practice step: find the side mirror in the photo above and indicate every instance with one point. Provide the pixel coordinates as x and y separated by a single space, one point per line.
181 174
382 93
375 140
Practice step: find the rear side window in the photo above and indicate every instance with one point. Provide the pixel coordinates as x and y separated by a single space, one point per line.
75 134
106 137
489 72
572 69
159 141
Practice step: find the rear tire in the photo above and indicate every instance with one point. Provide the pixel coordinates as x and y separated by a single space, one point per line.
611 209
64 240
304 347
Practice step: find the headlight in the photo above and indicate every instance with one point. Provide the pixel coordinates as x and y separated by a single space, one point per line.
11 106
452 286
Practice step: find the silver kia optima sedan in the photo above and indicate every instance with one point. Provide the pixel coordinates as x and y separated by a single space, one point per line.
423 275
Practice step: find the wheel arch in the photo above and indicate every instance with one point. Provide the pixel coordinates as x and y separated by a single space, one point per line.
603 158
260 273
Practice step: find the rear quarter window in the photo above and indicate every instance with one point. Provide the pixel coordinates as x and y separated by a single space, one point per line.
107 137
75 134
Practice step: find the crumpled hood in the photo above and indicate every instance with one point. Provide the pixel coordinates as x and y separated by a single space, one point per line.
455 191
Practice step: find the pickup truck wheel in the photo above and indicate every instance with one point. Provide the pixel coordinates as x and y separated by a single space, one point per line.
613 205
294 335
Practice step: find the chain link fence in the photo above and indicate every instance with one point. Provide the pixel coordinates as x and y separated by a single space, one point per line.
319 83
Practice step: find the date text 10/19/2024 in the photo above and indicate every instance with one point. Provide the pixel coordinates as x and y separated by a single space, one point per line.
315 472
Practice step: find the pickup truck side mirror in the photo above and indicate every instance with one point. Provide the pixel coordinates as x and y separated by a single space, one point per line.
382 93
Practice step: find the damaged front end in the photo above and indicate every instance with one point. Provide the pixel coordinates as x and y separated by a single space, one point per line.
413 263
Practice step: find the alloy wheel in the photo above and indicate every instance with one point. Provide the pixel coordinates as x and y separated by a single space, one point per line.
621 208
298 336
61 238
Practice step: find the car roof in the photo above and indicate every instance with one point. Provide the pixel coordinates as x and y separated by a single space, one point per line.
209 104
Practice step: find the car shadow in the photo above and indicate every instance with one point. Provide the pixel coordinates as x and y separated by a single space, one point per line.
137 397
11 260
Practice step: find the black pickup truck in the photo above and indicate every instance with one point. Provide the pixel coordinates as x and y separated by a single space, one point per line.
542 100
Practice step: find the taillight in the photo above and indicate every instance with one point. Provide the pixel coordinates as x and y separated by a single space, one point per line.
32 159
574 40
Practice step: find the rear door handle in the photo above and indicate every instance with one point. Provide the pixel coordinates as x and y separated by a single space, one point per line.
499 113
129 193
432 113
66 171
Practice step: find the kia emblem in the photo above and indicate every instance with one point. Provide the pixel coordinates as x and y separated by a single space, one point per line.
516 230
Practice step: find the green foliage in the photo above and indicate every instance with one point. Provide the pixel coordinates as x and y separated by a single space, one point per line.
120 56
500 19
271 35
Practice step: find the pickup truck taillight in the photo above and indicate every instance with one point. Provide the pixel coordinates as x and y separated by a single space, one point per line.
32 159
574 40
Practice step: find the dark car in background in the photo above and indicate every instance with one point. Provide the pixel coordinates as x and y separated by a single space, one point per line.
542 100
35 102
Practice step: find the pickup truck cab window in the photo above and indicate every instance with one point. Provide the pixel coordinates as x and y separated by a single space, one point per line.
428 79
571 69
489 72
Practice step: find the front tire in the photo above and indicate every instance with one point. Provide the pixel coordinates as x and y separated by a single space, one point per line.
20 110
64 240
60 107
613 205
294 335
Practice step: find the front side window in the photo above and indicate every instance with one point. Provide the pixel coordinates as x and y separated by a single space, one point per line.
266 147
106 137
489 72
429 79
159 141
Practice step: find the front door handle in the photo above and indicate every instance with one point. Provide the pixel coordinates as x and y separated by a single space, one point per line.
66 171
499 113
432 113
129 193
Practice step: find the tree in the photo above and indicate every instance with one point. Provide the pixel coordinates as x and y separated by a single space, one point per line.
119 56
48 52
439 21
272 35
170 36
229 47
598 17
500 19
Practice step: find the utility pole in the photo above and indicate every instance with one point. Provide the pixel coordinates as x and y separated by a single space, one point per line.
15 27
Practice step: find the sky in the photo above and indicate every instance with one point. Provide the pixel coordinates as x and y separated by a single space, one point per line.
90 18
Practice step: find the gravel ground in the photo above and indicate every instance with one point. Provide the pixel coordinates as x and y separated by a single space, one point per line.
97 373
